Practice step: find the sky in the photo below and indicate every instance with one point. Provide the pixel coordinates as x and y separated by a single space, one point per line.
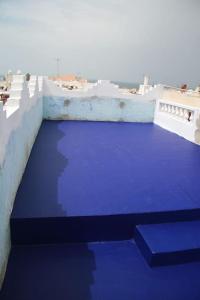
119 40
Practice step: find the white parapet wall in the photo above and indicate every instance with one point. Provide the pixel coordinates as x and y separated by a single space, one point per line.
181 119
103 102
20 119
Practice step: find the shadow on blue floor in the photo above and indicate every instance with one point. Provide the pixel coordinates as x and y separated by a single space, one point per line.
38 191
56 272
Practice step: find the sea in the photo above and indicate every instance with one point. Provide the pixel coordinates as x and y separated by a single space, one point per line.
126 85
122 84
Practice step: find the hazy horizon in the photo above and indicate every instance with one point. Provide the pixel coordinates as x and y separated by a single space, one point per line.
120 40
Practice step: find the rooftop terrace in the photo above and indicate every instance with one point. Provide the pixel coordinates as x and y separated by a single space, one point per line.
100 204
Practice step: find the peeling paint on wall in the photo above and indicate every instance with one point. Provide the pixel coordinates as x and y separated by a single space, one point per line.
122 104
67 102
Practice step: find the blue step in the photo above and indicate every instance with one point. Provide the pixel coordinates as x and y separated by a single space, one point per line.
169 243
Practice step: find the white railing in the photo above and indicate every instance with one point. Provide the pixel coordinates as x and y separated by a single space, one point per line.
179 118
181 112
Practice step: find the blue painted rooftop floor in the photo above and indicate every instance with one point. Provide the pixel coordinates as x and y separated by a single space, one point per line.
95 271
100 168
93 181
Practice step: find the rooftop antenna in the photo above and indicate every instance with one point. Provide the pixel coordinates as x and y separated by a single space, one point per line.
58 66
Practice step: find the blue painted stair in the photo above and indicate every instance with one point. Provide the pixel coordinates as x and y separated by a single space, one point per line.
169 243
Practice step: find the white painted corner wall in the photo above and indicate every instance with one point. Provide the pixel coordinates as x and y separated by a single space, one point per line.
20 120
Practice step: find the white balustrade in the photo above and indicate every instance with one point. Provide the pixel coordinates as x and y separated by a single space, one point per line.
185 114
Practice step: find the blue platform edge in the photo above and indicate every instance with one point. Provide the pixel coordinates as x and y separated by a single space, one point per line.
88 228
170 243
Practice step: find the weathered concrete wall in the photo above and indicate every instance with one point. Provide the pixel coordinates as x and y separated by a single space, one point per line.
104 102
21 117
98 109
